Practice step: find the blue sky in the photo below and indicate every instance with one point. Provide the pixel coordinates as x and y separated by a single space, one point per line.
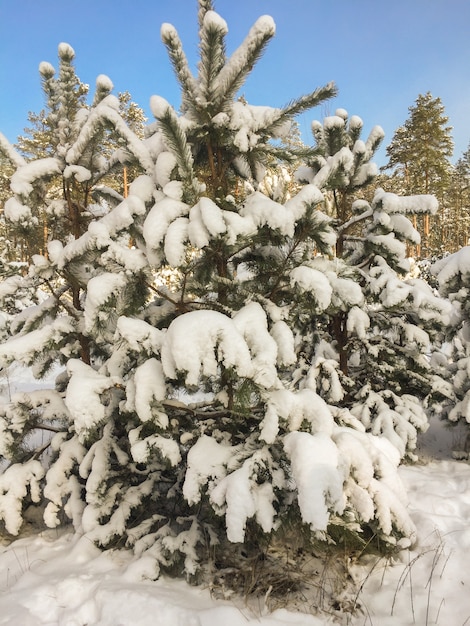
381 54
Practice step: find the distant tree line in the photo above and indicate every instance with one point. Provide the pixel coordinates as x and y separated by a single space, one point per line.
419 163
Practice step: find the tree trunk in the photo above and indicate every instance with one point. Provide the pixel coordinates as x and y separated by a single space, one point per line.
340 335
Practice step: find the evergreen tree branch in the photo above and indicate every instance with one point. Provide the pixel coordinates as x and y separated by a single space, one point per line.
175 138
99 116
104 87
10 153
204 6
49 86
189 88
242 61
180 305
212 54
300 105
343 228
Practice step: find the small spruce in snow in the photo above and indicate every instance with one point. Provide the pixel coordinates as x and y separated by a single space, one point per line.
223 399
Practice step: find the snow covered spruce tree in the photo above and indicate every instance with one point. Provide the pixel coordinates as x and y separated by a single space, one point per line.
453 276
86 236
195 430
369 346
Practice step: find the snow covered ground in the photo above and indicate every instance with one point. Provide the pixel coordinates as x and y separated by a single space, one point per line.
56 579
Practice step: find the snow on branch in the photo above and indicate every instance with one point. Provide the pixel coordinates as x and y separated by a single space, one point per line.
175 138
11 154
24 177
391 203
180 64
196 342
83 396
314 461
99 116
264 211
25 348
240 64
244 496
212 50
451 266
15 483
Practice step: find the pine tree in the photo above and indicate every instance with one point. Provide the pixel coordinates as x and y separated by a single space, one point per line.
456 228
40 141
209 420
61 187
370 355
420 151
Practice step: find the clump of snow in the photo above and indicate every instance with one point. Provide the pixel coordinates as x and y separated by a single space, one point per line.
15 211
314 462
81 174
194 340
150 388
252 324
23 178
159 218
447 268
10 152
159 106
22 348
358 322
315 282
139 334
212 217
391 203
207 462
66 51
104 82
164 166
284 338
83 398
214 20
46 69
15 483
242 497
264 211
142 187
175 240
309 195
101 289
296 409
